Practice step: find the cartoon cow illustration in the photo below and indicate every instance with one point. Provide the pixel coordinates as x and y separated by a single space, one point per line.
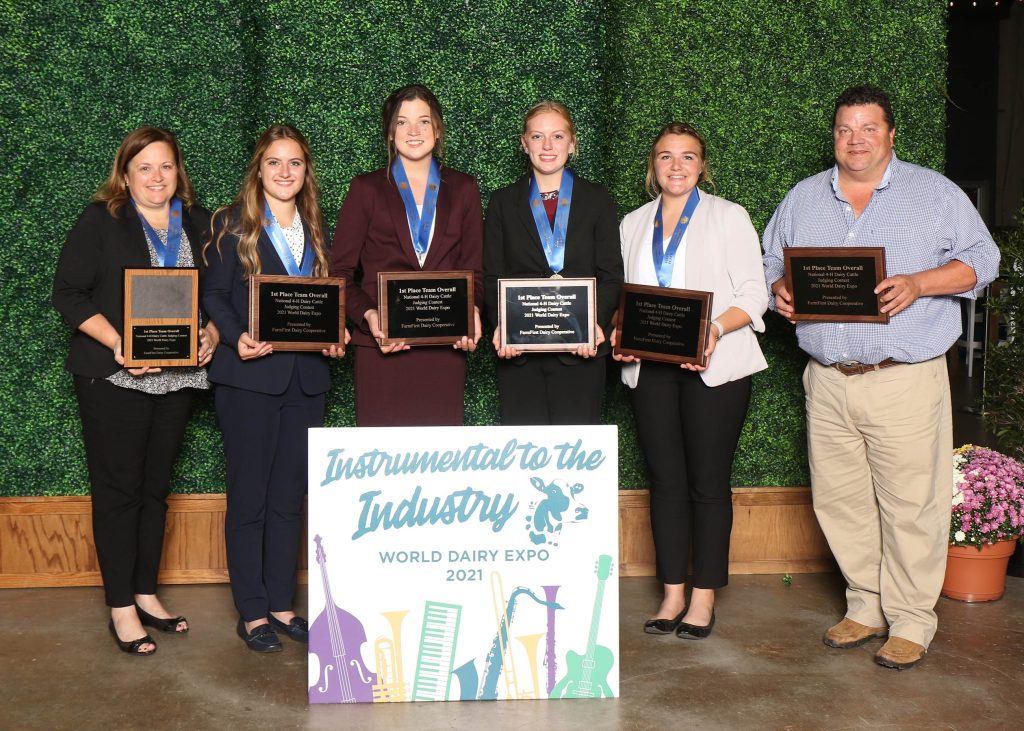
545 521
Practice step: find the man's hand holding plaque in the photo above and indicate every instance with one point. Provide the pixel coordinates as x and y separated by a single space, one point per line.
832 284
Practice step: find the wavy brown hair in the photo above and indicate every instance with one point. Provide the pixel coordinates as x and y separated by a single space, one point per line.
389 117
676 128
114 191
244 216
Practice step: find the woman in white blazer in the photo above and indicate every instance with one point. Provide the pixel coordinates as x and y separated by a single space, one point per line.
689 417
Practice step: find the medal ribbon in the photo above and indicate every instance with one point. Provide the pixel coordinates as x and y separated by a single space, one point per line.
284 252
420 225
166 255
664 260
553 238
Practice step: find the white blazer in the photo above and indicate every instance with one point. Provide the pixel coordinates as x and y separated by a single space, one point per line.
723 256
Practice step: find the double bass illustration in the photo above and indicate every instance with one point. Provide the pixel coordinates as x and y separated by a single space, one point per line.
336 638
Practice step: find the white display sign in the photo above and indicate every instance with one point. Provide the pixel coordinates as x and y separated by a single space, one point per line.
463 563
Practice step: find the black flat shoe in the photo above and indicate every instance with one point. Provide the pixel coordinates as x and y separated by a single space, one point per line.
261 639
694 631
132 648
297 629
663 626
164 625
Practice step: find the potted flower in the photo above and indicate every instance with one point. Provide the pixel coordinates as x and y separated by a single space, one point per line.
986 520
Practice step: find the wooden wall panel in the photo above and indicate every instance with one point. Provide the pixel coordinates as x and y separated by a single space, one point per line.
47 541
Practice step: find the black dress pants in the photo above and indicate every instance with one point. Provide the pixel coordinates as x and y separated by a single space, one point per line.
541 389
131 442
265 442
688 432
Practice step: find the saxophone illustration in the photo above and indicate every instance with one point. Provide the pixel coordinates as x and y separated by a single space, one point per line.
467 674
496 657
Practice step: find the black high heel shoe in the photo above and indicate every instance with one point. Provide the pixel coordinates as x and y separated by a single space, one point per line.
663 626
164 625
132 647
695 631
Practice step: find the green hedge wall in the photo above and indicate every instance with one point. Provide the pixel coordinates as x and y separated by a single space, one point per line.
756 77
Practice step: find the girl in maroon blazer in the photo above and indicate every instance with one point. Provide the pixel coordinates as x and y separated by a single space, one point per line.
412 215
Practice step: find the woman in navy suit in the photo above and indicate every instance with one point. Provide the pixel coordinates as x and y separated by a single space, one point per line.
547 388
133 419
265 400
413 215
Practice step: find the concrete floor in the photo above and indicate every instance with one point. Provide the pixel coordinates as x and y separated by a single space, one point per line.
763 668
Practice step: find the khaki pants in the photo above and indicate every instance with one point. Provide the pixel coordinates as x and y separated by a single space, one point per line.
880 447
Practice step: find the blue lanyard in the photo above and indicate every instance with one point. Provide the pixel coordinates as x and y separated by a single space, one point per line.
665 260
284 252
553 238
166 255
420 226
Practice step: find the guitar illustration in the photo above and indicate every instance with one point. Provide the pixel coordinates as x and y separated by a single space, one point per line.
342 679
587 674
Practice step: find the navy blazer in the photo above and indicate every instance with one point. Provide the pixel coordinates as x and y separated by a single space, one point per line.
226 298
90 275
512 247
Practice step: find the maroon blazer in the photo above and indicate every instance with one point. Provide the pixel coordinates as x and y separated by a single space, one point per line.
373 236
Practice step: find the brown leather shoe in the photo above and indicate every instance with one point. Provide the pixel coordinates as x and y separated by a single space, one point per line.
900 653
849 634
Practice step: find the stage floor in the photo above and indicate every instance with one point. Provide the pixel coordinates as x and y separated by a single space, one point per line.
764 667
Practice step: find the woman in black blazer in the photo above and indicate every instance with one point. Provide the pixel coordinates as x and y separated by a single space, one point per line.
544 388
133 420
266 401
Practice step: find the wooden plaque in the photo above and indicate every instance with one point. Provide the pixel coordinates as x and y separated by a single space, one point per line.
426 308
835 284
161 317
663 324
552 315
297 313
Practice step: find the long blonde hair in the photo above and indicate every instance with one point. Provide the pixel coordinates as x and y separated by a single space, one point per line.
114 191
244 216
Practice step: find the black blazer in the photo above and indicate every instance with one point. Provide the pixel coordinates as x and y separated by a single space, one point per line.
226 299
512 247
90 280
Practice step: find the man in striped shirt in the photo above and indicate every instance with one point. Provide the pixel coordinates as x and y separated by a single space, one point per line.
879 422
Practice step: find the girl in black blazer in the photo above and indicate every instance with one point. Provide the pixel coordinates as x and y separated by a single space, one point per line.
543 388
133 420
266 401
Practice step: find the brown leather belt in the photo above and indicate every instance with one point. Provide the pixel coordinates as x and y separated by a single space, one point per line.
856 369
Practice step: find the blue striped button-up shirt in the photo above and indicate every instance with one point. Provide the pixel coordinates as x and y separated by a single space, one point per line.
923 220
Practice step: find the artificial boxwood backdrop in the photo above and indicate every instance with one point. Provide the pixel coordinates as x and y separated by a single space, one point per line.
757 77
